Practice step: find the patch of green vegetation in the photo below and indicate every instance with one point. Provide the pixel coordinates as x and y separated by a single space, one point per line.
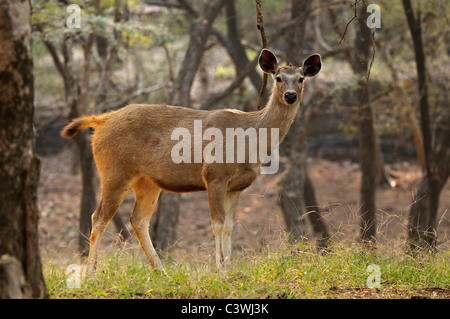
291 272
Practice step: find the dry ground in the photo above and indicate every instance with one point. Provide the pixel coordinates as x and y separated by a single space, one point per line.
259 218
259 222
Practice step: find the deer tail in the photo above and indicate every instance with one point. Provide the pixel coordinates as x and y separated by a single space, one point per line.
79 123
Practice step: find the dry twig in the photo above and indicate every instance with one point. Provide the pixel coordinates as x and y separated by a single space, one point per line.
373 52
368 72
350 21
260 27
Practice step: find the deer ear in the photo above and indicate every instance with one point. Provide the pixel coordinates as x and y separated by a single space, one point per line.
268 61
312 65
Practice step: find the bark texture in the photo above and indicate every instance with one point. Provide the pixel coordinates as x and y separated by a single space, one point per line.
20 265
297 195
165 219
422 222
367 209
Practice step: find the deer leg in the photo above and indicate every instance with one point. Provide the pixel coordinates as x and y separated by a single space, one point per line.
112 197
146 198
231 202
216 200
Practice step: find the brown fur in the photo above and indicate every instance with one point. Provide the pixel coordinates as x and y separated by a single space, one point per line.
79 123
132 150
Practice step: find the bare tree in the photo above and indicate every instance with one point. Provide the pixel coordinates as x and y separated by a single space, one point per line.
422 228
166 216
198 35
297 196
236 50
20 265
76 92
367 140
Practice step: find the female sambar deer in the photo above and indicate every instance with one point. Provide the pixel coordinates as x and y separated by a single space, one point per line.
132 149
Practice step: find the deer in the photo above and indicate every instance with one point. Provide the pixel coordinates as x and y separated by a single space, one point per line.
132 150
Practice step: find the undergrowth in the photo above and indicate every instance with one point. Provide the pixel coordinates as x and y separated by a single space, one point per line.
290 272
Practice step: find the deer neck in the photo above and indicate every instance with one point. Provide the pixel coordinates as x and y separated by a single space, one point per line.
276 114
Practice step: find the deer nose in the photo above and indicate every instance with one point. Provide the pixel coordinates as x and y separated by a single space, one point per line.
290 97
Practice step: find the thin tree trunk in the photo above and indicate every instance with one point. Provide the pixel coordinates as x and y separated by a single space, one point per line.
297 196
164 222
20 266
76 99
199 33
236 50
422 221
88 194
111 57
422 227
367 210
82 141
381 176
294 144
293 186
319 226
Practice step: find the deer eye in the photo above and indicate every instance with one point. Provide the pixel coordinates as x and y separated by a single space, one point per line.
301 80
279 79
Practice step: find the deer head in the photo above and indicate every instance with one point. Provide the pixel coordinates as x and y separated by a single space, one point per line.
289 80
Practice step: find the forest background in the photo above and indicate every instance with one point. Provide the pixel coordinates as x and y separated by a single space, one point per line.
367 158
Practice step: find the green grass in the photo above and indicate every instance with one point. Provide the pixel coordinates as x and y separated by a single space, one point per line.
287 273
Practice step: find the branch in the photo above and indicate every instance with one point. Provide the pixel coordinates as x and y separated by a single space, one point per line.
416 34
215 98
198 37
52 50
319 37
113 52
236 50
357 53
283 28
348 23
122 102
336 51
368 71
260 27
86 73
321 7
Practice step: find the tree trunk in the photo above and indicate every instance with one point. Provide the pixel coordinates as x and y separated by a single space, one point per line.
319 226
89 189
199 33
12 279
294 144
381 176
163 224
82 141
236 50
422 221
109 55
164 221
20 266
297 194
76 100
367 210
422 227
293 185
110 59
